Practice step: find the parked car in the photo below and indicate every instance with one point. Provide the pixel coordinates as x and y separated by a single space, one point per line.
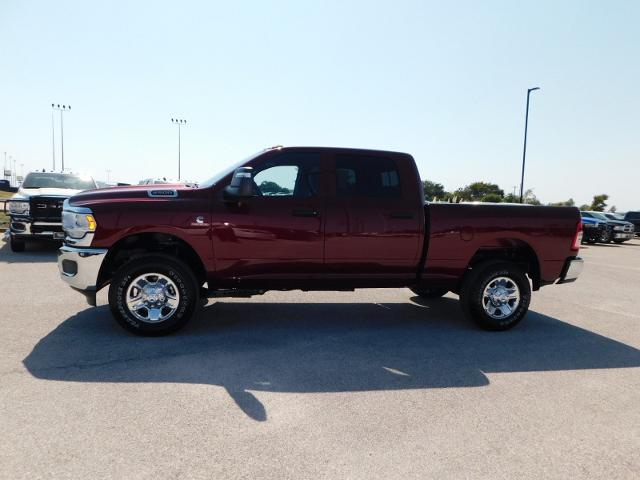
619 230
592 230
160 181
633 217
5 186
35 210
309 219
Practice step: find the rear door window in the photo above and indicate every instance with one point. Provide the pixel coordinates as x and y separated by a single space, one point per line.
367 176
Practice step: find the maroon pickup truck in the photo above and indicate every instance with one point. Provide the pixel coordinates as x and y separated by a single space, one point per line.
309 219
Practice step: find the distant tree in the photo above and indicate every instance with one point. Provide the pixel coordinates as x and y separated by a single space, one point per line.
585 207
613 209
272 188
476 191
566 203
530 199
511 198
434 190
599 202
492 197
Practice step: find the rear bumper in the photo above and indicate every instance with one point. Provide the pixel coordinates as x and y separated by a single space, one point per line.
79 267
572 270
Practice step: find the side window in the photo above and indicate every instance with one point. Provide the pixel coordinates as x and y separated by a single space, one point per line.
367 176
279 180
288 175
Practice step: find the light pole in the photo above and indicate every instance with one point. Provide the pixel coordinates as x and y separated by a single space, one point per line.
524 150
62 108
53 138
180 122
108 172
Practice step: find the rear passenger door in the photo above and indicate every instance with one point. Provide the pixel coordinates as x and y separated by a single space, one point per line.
375 217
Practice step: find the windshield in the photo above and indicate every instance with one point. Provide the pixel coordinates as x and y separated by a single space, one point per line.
57 180
227 170
614 216
599 215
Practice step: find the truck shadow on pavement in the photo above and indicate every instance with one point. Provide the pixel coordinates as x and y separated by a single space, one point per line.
319 347
36 252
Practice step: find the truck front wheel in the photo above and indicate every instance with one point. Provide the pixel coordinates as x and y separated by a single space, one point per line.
16 245
153 295
496 295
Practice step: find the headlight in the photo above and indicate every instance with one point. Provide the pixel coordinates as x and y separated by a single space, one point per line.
618 228
78 224
18 208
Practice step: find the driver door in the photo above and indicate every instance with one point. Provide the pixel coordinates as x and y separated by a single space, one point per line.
278 232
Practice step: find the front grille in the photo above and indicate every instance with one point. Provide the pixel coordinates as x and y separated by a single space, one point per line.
45 228
46 209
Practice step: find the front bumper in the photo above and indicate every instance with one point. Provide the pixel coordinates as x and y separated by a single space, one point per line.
25 228
572 270
79 267
623 235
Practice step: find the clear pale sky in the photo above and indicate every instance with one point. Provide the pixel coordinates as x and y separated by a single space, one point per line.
443 81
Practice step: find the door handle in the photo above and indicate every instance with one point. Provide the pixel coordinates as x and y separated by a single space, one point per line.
399 215
305 212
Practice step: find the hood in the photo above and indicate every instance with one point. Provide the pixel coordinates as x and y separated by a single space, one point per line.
619 222
53 192
133 193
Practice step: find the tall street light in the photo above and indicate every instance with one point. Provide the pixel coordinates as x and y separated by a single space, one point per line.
62 108
53 138
180 122
524 151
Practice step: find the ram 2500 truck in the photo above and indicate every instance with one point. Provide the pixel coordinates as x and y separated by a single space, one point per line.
309 219
35 211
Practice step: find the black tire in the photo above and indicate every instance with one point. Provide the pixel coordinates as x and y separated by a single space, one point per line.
472 293
16 245
429 292
591 240
619 241
605 237
183 279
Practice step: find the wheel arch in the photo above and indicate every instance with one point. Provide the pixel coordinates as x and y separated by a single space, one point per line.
136 245
512 250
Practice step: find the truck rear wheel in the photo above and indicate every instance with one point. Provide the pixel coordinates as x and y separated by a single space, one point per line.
496 295
153 295
429 292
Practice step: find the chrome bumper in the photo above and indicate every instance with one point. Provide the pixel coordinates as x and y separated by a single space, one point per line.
572 269
623 236
22 228
79 267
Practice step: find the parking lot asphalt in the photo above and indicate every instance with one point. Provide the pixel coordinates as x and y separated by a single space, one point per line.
362 385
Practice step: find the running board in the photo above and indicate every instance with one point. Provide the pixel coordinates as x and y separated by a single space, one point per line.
234 292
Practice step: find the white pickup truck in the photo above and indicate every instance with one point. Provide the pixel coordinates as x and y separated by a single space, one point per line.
35 211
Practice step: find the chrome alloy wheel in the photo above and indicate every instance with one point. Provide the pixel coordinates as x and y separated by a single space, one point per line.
501 297
152 297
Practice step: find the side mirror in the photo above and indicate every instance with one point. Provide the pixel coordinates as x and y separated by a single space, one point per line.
241 184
